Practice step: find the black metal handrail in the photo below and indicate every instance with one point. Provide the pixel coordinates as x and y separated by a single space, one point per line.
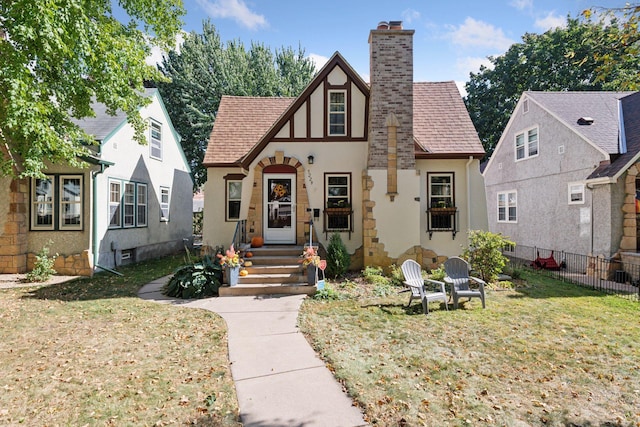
240 234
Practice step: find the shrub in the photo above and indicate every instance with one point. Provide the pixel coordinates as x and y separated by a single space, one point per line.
43 266
396 275
485 253
328 293
338 258
197 280
437 274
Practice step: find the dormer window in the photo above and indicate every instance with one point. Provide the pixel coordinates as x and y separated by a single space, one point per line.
337 112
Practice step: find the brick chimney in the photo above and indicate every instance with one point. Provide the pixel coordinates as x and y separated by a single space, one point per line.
391 98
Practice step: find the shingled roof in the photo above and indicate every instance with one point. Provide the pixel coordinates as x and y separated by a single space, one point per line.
441 123
442 126
601 106
103 124
240 124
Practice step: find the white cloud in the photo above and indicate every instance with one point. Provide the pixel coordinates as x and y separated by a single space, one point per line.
473 33
233 9
410 15
318 60
158 54
550 21
522 4
472 64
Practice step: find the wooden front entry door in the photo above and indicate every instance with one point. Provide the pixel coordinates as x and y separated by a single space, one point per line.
279 217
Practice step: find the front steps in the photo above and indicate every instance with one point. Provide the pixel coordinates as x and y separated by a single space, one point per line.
275 270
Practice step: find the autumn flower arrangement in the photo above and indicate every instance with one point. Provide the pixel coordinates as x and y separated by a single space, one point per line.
231 258
310 256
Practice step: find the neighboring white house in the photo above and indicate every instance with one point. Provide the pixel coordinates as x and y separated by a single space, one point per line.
133 203
373 163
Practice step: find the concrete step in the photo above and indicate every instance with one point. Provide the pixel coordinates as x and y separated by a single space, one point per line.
271 289
260 279
293 251
275 269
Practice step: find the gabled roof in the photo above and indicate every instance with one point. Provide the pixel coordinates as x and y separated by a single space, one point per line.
240 123
245 125
601 106
441 123
104 124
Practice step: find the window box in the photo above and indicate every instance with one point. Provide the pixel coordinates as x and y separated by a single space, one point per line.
443 211
338 211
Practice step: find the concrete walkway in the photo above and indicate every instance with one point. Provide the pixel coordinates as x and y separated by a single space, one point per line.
279 379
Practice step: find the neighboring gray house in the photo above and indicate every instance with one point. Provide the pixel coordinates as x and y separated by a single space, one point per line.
564 173
134 201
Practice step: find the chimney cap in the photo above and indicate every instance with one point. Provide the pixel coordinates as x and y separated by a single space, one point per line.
395 25
383 25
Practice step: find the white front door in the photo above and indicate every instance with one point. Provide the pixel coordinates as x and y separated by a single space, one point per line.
280 209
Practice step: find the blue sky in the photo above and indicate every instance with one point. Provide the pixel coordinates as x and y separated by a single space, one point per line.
451 37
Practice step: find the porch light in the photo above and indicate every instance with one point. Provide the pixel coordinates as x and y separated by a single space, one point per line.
310 159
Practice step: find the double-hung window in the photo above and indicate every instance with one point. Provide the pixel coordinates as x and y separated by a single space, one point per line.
115 199
527 144
441 199
129 201
127 204
234 198
337 112
338 201
57 202
164 204
155 140
141 206
576 193
507 206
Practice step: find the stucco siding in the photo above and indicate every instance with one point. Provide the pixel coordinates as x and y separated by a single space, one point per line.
545 218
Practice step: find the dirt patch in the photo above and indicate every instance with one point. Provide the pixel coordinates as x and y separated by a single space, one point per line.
20 281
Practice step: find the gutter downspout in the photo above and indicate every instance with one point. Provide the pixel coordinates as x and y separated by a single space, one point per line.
94 219
468 193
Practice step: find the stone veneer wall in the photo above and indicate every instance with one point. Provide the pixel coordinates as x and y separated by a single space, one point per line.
373 252
255 217
628 242
13 236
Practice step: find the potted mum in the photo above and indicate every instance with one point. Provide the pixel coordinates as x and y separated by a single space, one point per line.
310 260
231 262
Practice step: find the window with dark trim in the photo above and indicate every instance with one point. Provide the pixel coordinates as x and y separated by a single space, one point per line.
57 202
234 199
337 201
337 112
441 201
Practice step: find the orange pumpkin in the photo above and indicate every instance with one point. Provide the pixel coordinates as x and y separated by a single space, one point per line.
257 242
248 255
243 272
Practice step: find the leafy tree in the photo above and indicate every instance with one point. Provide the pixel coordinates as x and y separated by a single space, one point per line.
571 58
204 69
58 57
485 253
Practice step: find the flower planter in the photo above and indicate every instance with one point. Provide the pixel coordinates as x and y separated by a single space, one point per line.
232 274
312 271
442 211
338 211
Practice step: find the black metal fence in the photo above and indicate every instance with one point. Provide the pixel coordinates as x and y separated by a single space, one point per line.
620 276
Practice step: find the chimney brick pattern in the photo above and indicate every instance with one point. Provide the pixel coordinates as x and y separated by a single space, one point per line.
391 74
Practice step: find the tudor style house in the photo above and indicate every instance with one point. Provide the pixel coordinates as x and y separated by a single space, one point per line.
564 175
132 203
393 166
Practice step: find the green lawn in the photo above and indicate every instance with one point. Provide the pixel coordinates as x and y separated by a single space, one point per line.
544 354
90 352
